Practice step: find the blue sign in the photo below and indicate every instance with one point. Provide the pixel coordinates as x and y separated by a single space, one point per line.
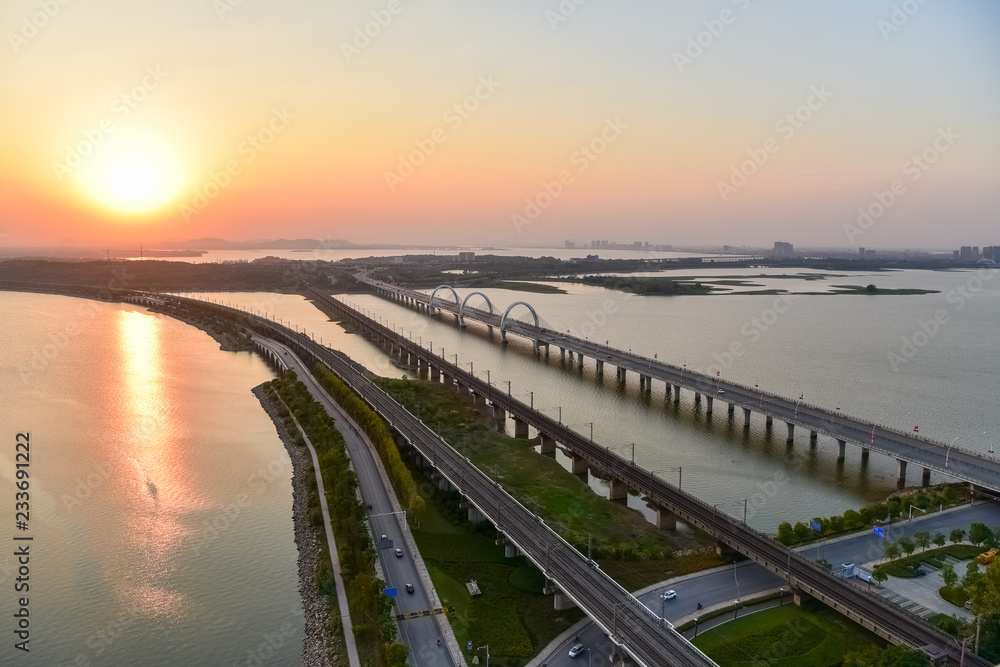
391 592
468 646
880 531
816 526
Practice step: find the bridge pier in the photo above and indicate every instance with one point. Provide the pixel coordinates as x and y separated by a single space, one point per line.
475 516
901 481
864 453
791 431
708 404
812 437
665 519
646 383
842 452
463 390
579 464
499 416
448 380
746 417
732 410
677 393
520 428
562 354
697 398
768 423
579 360
621 374
617 489
600 367
511 551
561 601
435 374
925 479
547 444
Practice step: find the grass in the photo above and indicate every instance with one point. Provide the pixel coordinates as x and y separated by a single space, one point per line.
789 636
563 500
512 615
904 568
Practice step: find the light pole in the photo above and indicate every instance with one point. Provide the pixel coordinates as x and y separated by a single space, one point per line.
798 403
590 658
591 425
947 452
487 647
560 415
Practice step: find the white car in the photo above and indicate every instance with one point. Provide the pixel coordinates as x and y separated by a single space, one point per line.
576 650
721 391
669 595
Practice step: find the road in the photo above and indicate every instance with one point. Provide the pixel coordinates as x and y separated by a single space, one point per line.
746 578
420 634
954 461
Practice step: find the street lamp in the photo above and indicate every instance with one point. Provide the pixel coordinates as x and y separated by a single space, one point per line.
947 452
487 647
591 425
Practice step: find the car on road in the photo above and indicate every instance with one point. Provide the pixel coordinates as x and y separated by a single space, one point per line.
669 595
399 553
576 650
409 588
721 391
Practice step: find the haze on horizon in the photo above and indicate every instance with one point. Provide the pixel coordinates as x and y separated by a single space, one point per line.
448 122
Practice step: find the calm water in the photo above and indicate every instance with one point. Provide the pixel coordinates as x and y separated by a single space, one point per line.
160 493
834 350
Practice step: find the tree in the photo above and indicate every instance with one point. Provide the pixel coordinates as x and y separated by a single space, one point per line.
895 507
836 524
871 289
923 538
972 576
852 519
888 656
957 535
939 539
907 545
891 550
979 533
785 533
802 531
949 576
879 575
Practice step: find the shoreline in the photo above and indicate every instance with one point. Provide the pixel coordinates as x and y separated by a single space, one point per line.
316 647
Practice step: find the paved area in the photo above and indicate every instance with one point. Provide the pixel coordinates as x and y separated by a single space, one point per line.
920 594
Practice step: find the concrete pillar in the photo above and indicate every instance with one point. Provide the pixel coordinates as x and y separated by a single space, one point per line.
677 393
600 367
579 361
769 422
902 472
746 417
520 428
499 413
618 490
463 390
697 398
475 516
480 401
579 465
510 551
435 374
665 519
562 353
791 431
448 380
864 453
708 404
667 394
621 374
445 485
547 444
812 437
561 601
925 480
842 444
732 409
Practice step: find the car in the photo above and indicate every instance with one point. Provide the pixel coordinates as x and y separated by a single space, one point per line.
669 595
721 391
409 588
399 553
576 650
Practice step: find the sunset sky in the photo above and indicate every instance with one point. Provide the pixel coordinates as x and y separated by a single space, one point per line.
126 121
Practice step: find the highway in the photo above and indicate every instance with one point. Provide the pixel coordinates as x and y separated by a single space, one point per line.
419 634
872 611
954 461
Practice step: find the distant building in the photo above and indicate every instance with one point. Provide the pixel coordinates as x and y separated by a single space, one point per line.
467 256
570 244
861 251
782 249
992 253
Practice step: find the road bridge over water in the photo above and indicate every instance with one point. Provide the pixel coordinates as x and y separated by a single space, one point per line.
906 447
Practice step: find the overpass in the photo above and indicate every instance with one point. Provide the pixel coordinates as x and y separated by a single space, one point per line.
805 578
906 448
649 639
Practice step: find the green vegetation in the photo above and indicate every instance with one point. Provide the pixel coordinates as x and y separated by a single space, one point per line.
906 567
787 636
566 503
378 432
896 506
871 289
512 614
645 286
982 591
371 611
887 656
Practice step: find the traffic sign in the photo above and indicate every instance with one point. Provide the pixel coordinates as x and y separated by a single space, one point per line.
815 525
880 531
391 592
468 645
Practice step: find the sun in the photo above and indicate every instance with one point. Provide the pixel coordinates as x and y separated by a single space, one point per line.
133 172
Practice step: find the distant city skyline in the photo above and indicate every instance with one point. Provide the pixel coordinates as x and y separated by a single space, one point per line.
846 125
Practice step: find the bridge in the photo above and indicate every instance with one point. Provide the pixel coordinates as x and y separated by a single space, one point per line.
670 503
906 448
